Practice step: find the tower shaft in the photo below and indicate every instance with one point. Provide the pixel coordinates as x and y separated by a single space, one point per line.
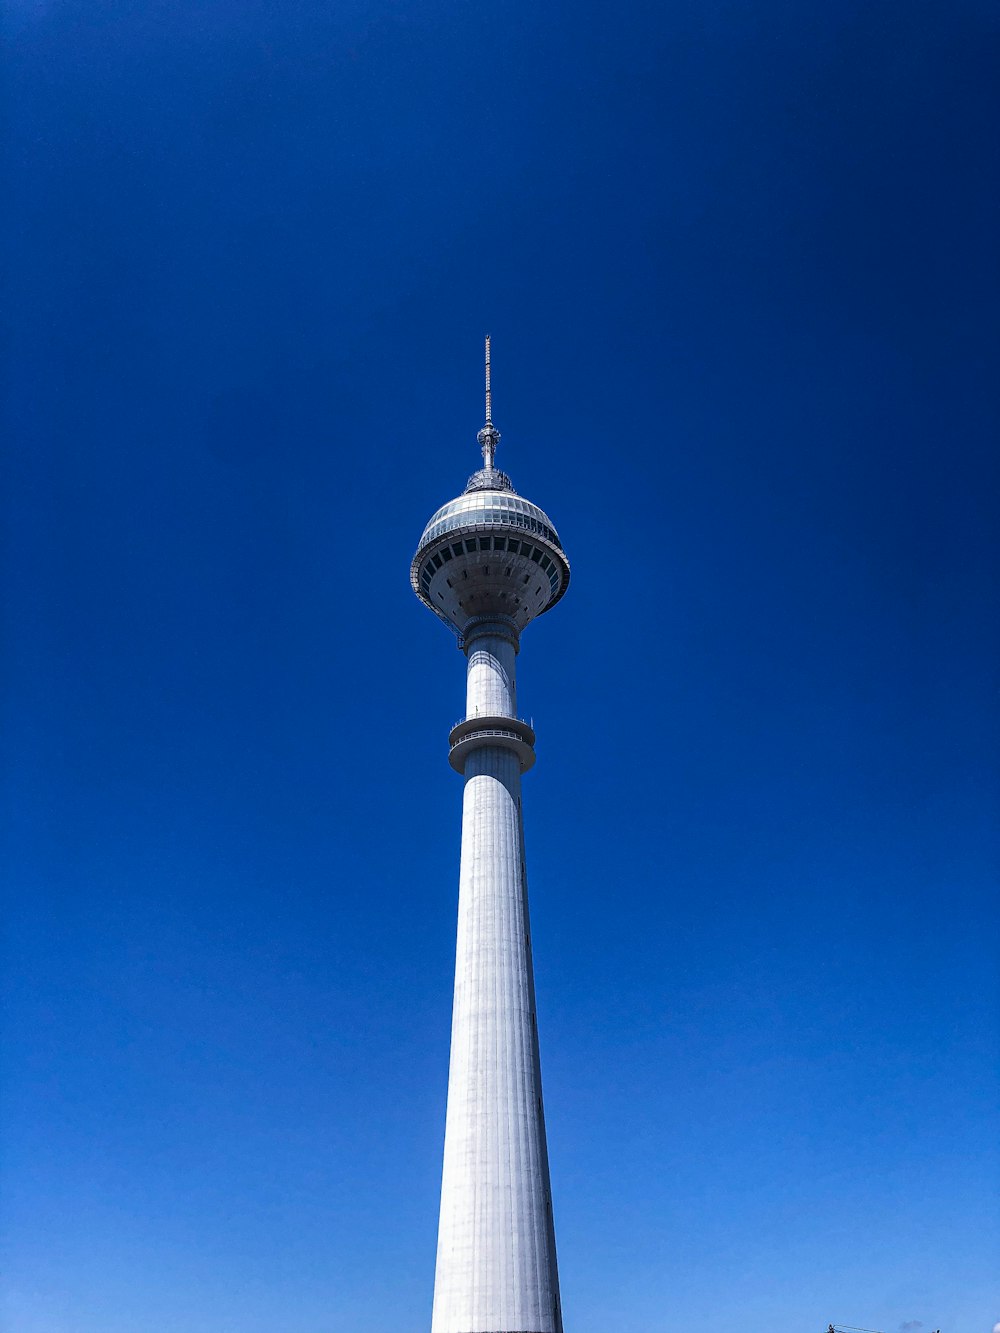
496 1260
487 564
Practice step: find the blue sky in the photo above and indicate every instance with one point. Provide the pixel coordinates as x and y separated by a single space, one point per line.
739 269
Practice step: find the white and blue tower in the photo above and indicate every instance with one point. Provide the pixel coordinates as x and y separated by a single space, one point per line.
487 564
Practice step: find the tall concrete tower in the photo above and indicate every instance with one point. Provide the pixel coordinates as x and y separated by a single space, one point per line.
488 563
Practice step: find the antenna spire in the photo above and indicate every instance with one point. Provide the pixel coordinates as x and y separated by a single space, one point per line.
489 436
489 395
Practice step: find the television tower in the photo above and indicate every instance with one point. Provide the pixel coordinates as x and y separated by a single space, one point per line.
487 564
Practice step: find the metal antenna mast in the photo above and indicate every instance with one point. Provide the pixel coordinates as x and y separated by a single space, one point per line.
489 436
489 396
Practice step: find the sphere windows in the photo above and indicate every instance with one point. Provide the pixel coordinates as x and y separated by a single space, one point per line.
481 508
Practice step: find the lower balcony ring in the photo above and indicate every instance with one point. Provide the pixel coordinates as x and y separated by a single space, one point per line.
509 733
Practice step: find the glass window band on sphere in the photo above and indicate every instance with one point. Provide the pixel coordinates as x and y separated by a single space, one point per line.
488 507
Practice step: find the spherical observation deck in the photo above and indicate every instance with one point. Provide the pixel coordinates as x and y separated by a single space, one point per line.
489 553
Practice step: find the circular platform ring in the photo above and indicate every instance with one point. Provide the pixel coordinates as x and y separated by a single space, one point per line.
510 733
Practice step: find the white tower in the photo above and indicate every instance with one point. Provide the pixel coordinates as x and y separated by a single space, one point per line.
488 563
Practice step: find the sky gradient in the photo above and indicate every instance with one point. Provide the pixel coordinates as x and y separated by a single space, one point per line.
739 266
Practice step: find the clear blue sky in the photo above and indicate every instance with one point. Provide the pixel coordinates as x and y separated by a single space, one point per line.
738 262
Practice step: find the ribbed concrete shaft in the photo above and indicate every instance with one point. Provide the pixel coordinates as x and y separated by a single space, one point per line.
491 690
496 1261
